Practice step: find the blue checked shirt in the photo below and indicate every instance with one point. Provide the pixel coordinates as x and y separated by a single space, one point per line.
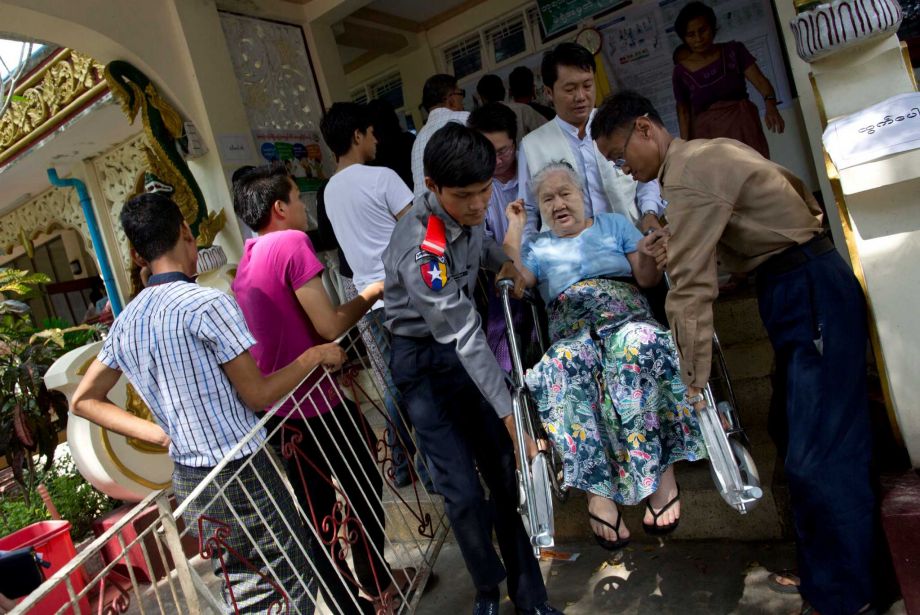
170 342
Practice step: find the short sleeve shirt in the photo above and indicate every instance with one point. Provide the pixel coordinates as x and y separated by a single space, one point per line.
273 267
170 342
599 251
362 203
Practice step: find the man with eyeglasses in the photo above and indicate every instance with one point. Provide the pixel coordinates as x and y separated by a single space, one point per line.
732 208
444 102
499 124
568 72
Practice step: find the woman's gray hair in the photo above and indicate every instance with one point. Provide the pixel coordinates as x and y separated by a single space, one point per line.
556 166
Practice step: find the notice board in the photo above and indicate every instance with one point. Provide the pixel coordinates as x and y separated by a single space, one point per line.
639 43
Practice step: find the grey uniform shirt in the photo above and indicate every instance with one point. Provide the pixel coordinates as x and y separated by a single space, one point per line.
416 309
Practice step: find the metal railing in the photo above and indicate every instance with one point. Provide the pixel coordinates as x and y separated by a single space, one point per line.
155 563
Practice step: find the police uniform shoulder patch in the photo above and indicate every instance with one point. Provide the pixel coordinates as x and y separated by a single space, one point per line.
434 272
432 265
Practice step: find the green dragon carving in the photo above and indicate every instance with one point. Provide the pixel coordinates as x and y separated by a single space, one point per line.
162 127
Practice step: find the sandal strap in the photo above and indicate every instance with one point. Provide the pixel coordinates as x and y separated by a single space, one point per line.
661 511
615 528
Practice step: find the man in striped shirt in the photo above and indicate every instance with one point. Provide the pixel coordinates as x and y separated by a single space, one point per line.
185 348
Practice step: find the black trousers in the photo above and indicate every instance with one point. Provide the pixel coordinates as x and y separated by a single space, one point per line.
815 316
339 437
458 431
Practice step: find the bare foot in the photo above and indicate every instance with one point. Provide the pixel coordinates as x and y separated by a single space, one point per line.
667 490
607 510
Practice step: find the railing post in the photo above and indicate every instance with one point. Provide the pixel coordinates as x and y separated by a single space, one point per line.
174 542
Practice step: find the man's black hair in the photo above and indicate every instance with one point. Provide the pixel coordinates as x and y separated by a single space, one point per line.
384 119
436 90
691 11
565 54
520 82
620 110
152 223
340 123
457 156
243 170
255 192
491 89
494 117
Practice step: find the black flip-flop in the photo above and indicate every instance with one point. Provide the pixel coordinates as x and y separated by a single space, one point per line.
610 545
783 588
660 530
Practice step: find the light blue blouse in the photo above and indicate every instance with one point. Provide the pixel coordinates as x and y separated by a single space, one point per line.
599 251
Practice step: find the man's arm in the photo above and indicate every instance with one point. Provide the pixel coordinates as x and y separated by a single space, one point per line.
696 221
90 401
453 319
258 391
331 322
514 237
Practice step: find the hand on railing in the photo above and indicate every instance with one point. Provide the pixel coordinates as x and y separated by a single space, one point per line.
331 356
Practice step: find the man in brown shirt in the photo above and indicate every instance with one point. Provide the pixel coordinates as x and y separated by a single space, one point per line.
730 208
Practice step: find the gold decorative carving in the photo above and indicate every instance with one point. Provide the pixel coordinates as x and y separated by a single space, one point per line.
63 85
118 171
53 209
210 227
136 406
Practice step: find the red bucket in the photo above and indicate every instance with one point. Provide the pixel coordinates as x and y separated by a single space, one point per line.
51 539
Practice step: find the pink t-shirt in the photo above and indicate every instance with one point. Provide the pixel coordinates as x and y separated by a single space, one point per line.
273 267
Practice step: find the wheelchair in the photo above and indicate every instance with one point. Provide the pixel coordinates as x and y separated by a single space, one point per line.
731 464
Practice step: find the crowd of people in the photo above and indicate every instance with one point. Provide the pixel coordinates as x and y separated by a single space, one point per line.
586 205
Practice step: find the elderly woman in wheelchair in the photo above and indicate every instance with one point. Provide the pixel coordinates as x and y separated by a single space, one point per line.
608 390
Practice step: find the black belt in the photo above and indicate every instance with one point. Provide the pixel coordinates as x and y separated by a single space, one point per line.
796 256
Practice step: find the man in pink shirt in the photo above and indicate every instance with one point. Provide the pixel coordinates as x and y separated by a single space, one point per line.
279 288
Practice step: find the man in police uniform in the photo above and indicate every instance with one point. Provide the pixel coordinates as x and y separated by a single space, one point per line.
452 385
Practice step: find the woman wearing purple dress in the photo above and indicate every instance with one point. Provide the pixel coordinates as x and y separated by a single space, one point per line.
710 85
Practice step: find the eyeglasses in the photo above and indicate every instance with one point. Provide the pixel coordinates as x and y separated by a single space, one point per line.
504 152
621 162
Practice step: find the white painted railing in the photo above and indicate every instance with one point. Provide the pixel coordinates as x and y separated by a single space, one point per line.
166 565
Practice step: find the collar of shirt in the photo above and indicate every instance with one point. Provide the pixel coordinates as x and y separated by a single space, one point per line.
167 277
452 227
675 149
435 114
572 131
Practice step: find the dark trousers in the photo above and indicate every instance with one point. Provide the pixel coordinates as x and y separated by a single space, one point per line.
339 438
815 316
459 431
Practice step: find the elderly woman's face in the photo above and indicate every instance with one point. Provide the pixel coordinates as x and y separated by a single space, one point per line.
562 204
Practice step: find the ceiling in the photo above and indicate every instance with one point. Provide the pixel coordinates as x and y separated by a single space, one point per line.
416 10
96 130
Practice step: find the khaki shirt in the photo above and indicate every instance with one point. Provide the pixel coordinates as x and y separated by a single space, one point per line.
728 207
445 311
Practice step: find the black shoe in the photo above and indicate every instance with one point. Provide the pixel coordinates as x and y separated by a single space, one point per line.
544 609
403 481
485 606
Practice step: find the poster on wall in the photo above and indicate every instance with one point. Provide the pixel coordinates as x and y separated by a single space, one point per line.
299 150
557 15
639 44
